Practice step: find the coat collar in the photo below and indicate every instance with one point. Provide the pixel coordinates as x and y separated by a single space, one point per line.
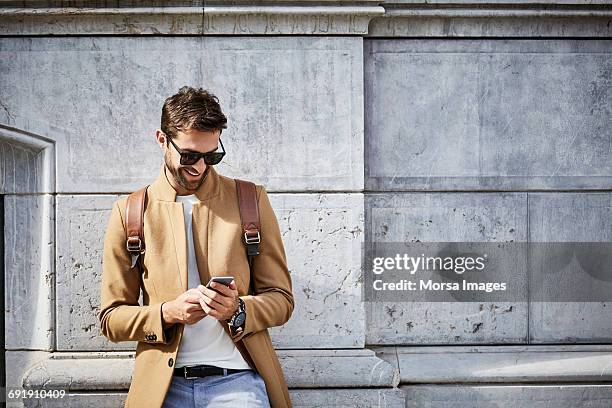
162 190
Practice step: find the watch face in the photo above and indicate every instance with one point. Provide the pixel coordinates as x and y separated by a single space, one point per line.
239 320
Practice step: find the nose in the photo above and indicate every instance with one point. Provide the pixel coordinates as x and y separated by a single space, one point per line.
200 166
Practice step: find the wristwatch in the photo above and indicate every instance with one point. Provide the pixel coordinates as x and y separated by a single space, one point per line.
238 319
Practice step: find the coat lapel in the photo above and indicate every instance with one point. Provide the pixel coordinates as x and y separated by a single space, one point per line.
161 190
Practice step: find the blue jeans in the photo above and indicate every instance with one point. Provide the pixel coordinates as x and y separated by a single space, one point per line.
243 389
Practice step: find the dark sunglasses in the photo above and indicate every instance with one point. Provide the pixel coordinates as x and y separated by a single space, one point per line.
190 158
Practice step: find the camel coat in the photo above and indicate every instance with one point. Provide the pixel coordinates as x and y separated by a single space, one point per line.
219 251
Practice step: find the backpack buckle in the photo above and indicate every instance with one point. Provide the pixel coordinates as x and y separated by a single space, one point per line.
134 244
252 239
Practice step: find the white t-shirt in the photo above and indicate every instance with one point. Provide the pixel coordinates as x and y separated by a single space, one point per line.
204 342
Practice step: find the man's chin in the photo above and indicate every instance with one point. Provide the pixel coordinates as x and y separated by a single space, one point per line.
190 185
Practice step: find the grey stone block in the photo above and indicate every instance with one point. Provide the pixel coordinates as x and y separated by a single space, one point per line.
336 369
81 222
451 217
289 128
570 217
420 323
296 128
500 364
321 233
487 114
446 217
348 398
569 322
106 116
516 396
29 271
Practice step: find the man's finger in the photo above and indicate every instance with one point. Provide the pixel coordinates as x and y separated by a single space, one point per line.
205 307
219 298
213 299
227 291
194 307
213 308
194 298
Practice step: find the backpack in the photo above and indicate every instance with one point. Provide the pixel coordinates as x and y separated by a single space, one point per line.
249 218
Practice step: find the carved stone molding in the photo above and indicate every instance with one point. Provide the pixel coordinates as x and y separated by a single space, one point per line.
481 18
191 20
318 20
400 18
303 369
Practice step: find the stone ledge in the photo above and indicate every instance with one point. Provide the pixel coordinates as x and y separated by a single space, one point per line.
515 396
396 18
208 20
522 3
492 19
317 20
500 364
336 368
492 12
82 371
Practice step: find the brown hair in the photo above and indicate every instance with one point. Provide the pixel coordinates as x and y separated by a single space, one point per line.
192 108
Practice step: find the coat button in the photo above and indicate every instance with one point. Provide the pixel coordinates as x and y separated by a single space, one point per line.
170 362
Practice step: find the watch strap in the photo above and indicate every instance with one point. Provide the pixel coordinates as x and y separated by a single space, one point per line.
241 309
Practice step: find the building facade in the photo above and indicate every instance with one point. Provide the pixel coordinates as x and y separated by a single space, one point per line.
406 120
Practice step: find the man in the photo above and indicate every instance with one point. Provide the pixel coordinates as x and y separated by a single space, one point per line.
193 347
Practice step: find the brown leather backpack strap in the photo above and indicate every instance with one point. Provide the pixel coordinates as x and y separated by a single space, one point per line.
134 221
249 216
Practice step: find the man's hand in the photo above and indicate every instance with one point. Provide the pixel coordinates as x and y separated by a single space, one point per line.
222 302
186 308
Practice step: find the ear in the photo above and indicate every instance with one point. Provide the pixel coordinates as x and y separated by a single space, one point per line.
160 137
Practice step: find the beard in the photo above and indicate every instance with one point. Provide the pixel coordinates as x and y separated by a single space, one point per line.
179 177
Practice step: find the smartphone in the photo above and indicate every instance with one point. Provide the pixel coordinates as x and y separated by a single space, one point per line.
224 280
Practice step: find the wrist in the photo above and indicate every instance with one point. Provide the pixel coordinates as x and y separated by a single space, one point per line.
238 320
167 320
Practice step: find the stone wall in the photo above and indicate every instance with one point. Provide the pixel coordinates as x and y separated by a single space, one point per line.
392 121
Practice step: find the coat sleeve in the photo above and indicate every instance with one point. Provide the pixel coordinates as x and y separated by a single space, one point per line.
272 302
121 316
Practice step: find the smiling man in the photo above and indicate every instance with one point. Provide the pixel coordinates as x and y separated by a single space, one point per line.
199 344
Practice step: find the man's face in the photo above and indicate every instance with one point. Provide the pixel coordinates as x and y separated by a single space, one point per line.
187 178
